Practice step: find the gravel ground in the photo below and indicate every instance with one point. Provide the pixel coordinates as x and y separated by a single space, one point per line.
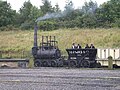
59 79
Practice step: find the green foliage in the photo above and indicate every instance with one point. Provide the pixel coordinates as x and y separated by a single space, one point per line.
25 11
28 15
69 6
89 7
26 25
34 13
24 16
89 21
8 28
109 13
7 15
46 7
90 15
48 25
82 18
56 8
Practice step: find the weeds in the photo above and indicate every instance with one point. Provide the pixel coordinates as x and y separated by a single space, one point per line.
23 40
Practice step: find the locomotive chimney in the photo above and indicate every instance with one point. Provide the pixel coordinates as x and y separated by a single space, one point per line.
35 35
35 47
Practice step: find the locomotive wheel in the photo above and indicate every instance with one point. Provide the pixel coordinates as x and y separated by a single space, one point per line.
85 64
45 64
53 63
72 63
37 63
60 64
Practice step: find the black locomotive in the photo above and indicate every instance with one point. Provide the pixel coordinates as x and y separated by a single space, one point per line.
48 54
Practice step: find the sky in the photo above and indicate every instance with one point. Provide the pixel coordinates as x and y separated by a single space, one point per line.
17 4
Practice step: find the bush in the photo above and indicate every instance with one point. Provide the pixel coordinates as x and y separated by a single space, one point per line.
48 25
8 28
26 25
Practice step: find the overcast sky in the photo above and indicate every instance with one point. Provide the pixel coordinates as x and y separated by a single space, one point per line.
17 4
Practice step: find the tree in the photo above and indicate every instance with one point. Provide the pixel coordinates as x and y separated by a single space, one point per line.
109 13
28 15
56 8
34 13
69 10
88 21
88 18
25 11
46 7
7 15
89 7
69 6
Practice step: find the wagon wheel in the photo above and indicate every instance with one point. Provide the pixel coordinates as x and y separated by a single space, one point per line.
45 64
98 65
115 66
53 63
60 62
85 64
37 63
72 63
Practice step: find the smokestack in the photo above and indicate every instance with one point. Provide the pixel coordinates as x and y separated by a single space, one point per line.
35 35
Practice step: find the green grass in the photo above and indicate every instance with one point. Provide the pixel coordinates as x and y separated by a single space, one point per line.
23 40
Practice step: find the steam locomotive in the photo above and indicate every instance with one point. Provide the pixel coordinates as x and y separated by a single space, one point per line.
48 54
